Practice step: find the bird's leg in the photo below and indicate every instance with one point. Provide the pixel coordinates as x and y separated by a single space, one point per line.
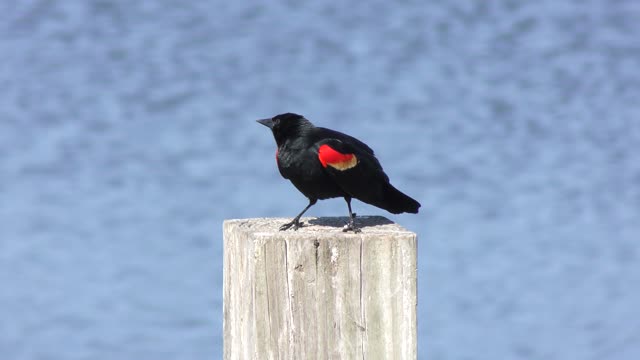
296 221
352 217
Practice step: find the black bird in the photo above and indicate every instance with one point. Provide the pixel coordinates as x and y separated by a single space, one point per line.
324 163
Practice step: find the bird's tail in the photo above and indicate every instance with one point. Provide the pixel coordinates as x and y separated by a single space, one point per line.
396 202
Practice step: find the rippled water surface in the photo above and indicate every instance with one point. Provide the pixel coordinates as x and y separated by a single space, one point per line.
127 136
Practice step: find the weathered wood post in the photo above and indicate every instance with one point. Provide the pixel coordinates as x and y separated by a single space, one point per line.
319 293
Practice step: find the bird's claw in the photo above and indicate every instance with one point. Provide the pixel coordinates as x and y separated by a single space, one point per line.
295 224
351 226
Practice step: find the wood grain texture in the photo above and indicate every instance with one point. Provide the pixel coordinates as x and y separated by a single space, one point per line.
319 293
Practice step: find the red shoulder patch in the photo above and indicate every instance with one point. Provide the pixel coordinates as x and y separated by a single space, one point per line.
330 157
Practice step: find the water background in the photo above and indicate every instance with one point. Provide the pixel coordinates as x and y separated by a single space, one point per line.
127 135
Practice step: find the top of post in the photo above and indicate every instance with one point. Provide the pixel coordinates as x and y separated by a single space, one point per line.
319 226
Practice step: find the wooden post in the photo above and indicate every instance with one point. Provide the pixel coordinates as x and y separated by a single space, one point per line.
319 293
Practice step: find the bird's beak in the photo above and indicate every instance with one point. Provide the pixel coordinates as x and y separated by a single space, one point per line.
266 122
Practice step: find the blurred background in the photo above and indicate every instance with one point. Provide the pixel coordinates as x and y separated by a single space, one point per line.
127 135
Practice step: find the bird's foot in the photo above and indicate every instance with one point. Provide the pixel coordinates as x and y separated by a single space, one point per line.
351 226
295 223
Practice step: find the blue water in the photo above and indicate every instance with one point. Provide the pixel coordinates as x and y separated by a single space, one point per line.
127 136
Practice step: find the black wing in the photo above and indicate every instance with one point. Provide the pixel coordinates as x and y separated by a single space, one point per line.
358 173
332 134
354 169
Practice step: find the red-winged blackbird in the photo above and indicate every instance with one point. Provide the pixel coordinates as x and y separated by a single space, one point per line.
324 163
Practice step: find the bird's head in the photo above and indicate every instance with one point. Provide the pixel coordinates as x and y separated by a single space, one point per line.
286 126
